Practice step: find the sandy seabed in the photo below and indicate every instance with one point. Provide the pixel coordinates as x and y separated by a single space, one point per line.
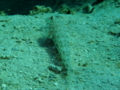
95 51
